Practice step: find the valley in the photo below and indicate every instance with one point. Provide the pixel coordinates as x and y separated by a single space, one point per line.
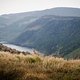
53 31
40 45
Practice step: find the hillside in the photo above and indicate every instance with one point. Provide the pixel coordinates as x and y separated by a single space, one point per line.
34 67
52 34
75 54
53 31
13 25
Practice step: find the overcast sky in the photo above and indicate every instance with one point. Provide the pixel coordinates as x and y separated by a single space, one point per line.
16 6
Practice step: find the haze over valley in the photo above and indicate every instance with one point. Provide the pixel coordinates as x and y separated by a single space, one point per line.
51 31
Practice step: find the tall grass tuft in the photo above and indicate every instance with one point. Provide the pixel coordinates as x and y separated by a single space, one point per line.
37 67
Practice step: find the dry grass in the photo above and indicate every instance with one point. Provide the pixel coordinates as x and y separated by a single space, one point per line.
35 67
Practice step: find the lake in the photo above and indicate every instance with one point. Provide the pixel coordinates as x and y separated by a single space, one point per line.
19 48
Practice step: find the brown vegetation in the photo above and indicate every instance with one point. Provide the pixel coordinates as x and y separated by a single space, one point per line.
36 67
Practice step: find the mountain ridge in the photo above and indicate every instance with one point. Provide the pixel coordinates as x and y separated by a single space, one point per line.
24 13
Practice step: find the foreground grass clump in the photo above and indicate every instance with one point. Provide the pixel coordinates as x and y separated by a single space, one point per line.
35 67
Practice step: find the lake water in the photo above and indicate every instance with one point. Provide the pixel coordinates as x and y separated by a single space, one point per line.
19 48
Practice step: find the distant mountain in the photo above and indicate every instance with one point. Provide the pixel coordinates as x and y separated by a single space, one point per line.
55 30
12 25
64 11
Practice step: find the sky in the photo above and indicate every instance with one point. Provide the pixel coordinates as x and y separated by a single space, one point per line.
17 6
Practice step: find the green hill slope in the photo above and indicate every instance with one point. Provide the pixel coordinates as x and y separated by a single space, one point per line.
74 54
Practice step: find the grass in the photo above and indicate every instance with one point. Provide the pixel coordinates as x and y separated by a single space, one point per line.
37 67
